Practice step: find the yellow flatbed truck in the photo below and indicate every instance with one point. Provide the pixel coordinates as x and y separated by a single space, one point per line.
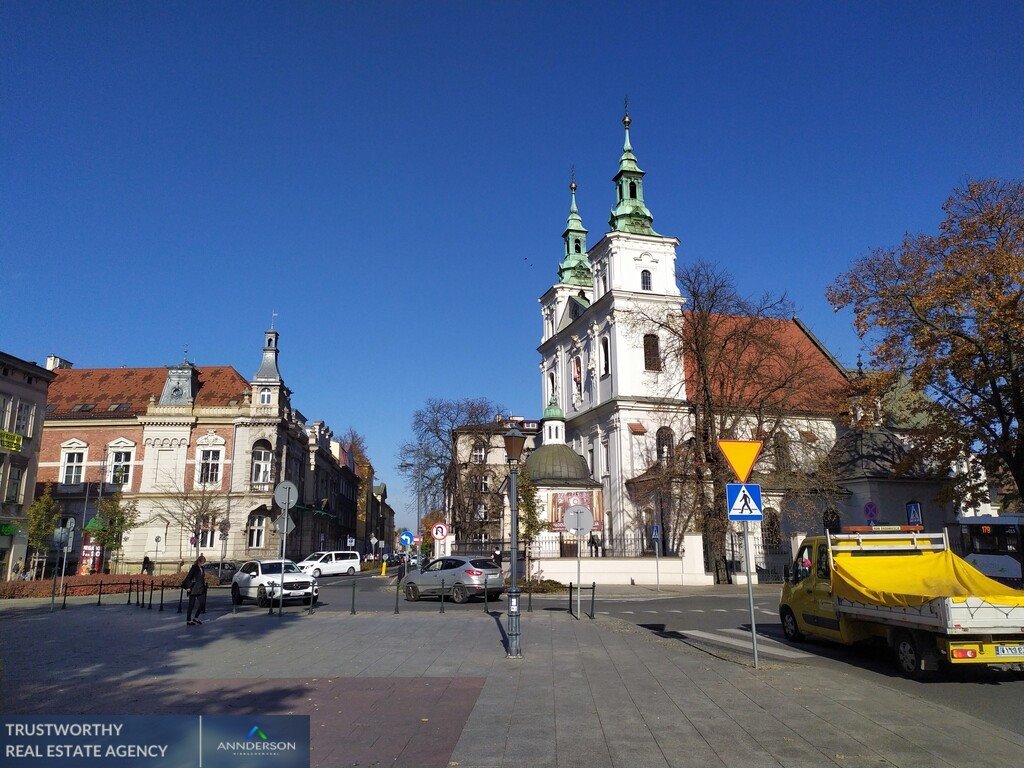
907 588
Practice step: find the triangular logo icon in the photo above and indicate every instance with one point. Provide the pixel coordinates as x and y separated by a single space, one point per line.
741 455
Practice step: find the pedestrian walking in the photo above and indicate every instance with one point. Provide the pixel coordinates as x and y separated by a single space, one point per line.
195 585
16 569
497 557
147 565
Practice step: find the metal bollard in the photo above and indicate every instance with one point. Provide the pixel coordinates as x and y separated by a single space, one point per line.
398 589
181 591
570 600
161 595
486 610
131 582
138 591
271 601
151 595
442 595
529 597
64 602
593 596
99 599
353 598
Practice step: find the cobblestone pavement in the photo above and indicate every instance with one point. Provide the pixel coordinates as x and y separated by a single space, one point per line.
431 690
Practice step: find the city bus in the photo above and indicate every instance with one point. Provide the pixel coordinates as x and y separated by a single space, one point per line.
992 544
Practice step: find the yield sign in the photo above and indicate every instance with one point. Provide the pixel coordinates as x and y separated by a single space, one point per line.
741 455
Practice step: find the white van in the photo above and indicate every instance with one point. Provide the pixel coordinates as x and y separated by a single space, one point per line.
331 563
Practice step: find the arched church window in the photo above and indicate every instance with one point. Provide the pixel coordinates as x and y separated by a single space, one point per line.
577 376
771 528
265 396
645 280
551 384
652 352
576 245
666 443
632 190
605 357
783 452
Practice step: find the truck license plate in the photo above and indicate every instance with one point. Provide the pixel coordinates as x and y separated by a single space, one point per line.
1010 650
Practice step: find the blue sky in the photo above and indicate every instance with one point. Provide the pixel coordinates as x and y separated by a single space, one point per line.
391 178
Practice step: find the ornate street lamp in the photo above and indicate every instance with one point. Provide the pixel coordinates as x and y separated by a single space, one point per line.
514 442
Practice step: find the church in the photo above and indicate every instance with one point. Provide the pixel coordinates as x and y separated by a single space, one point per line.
625 393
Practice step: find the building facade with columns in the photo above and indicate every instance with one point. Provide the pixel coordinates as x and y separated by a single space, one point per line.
199 449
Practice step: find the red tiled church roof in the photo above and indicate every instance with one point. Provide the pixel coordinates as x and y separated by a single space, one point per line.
795 373
131 389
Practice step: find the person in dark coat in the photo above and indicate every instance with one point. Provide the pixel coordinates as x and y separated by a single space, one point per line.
147 565
195 584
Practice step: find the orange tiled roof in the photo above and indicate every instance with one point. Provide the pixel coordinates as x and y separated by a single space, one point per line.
131 388
798 375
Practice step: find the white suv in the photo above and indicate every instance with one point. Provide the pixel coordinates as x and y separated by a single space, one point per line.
262 581
331 563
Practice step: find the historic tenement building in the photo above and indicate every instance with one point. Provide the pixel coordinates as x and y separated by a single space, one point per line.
200 450
23 390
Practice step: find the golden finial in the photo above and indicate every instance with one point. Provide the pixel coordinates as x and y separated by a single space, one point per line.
625 120
572 178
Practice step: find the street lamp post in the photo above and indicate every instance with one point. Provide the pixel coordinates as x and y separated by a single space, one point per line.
514 441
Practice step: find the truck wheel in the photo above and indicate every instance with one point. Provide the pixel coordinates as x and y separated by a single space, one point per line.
789 626
908 655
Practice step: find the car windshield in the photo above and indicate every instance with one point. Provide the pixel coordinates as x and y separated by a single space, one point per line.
314 556
486 564
289 567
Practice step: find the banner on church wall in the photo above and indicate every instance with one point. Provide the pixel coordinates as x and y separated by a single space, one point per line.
562 500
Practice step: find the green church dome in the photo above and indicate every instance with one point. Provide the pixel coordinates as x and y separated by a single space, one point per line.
558 465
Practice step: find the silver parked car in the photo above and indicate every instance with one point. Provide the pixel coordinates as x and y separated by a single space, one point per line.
463 578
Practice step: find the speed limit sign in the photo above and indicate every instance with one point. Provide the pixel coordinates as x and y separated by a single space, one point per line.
439 531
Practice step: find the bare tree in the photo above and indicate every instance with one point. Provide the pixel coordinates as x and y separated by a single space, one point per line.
426 460
750 368
194 509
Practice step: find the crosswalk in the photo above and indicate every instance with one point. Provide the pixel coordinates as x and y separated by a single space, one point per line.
740 638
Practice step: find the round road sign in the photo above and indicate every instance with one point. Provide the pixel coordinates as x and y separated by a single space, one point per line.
578 519
286 494
439 531
871 511
405 538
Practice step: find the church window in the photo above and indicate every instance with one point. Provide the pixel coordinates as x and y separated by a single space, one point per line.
551 384
645 280
605 357
479 454
652 352
265 396
576 245
666 443
632 189
577 376
604 283
783 453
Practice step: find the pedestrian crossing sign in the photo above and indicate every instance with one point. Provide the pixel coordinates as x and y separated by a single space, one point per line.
743 501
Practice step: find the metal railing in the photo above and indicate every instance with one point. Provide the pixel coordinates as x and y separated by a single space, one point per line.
580 589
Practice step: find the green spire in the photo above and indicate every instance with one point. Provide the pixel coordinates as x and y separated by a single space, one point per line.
630 214
575 266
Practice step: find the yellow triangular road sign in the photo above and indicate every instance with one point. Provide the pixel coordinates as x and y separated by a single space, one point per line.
741 455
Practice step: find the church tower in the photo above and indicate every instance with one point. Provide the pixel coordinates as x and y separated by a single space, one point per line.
630 214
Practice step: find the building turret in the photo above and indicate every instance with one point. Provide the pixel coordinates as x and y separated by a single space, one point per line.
630 214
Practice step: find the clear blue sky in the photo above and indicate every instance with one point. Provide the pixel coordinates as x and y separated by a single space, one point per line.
391 177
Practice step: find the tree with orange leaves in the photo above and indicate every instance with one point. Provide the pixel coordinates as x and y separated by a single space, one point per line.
945 312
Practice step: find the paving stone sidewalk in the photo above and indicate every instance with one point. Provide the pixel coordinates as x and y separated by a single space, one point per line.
431 690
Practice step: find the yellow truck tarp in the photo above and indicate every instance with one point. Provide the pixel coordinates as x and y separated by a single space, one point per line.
909 579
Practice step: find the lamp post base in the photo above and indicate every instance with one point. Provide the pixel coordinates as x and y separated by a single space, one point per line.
515 650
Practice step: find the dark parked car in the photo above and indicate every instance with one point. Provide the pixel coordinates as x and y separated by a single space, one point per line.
227 569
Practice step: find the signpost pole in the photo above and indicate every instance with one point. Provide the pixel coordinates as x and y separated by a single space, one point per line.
284 545
750 590
657 560
579 542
